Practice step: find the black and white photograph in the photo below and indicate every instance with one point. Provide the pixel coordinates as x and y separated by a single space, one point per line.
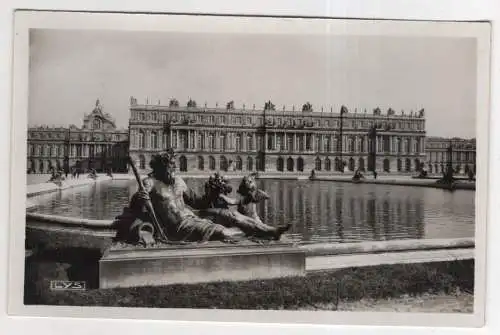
252 164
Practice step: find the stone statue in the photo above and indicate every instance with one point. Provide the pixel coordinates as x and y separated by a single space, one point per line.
240 213
166 206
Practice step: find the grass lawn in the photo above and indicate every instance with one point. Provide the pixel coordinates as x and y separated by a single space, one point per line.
67 256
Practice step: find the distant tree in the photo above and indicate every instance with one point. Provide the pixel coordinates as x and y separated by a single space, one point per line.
390 111
307 107
191 103
230 105
269 106
377 111
173 103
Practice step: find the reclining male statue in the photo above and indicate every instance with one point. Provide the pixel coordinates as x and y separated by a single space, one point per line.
170 198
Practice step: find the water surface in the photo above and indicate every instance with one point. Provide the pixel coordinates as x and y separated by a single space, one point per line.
318 211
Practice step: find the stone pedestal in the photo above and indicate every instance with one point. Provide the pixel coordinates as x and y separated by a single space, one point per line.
163 265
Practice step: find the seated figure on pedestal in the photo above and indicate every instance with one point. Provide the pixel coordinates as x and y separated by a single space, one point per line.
167 200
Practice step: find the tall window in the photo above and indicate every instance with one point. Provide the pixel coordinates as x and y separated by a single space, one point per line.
327 145
201 141
279 141
270 142
250 142
97 124
154 140
308 142
289 142
317 164
191 139
350 145
223 141
407 146
318 143
238 142
301 142
184 140
239 163
174 140
211 163
141 139
211 141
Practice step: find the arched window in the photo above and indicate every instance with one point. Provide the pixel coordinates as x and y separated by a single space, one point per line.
361 164
300 164
201 163
223 165
289 164
328 164
270 140
352 164
154 140
417 165
142 162
249 163
387 165
279 164
141 139
183 163
398 146
211 163
41 170
317 164
239 163
97 123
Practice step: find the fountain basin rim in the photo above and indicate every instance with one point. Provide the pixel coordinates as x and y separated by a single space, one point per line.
311 249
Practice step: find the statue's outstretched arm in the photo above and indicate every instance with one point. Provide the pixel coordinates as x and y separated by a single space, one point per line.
229 201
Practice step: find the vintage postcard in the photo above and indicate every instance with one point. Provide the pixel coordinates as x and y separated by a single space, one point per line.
262 169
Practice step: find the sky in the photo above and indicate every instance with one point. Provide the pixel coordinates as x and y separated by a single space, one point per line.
70 69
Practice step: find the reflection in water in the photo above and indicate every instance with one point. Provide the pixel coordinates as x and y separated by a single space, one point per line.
317 211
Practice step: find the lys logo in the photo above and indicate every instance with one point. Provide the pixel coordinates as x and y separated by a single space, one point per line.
63 285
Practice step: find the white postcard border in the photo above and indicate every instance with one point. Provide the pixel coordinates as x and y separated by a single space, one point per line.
59 20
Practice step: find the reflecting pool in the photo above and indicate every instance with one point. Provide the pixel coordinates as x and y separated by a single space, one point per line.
318 211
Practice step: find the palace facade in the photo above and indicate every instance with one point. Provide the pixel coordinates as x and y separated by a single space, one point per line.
268 139
462 159
97 144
